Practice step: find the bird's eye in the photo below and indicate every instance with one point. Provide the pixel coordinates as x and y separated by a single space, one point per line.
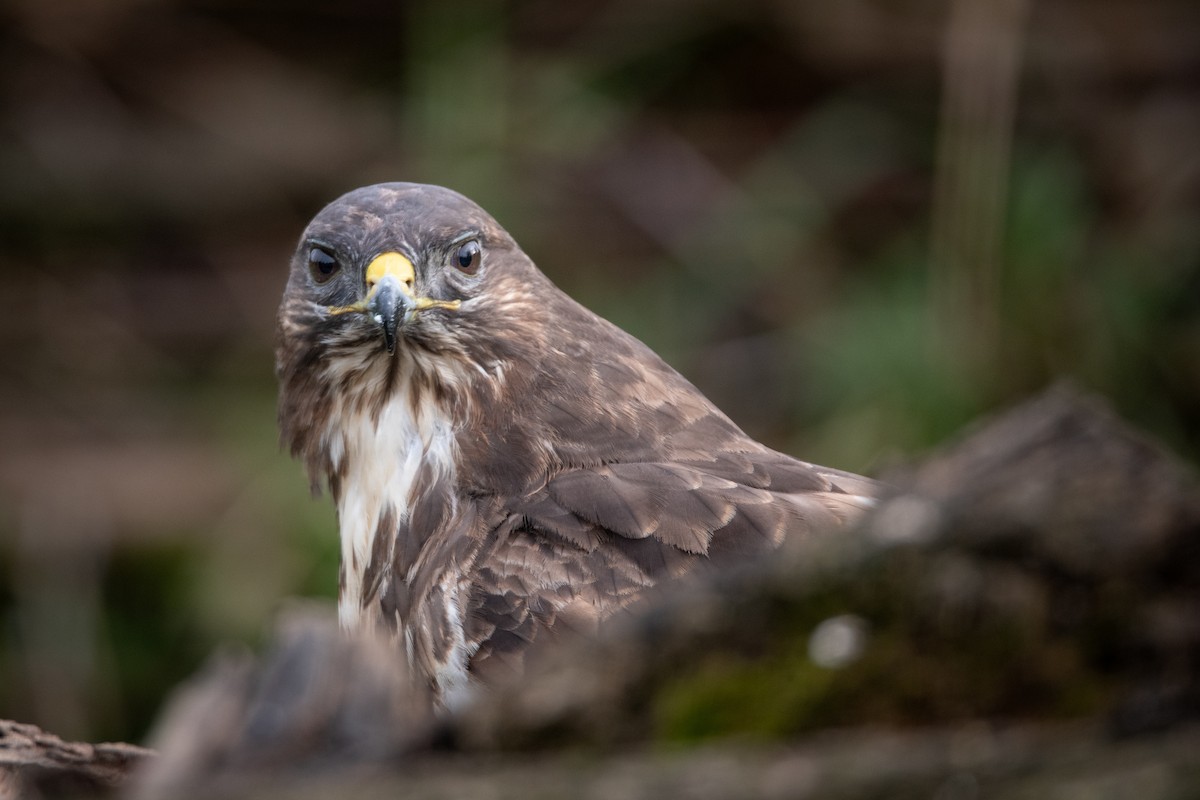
468 256
322 264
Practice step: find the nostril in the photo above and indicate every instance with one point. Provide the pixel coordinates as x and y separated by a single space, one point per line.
395 266
373 281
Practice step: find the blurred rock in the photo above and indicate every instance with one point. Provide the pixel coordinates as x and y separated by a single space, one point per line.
1045 567
316 700
1021 617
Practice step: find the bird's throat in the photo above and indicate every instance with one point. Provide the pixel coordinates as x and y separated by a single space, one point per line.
387 461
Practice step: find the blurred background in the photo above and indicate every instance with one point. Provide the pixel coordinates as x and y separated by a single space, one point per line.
855 225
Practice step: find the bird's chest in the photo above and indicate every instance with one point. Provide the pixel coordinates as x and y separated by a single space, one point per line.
387 464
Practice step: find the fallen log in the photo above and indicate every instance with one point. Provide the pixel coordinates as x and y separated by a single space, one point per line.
35 764
1019 617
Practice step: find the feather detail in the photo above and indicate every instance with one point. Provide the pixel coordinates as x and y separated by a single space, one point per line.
519 468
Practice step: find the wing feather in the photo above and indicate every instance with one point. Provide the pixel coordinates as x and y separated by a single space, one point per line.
682 505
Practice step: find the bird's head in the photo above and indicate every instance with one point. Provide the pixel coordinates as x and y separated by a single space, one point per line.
402 287
397 266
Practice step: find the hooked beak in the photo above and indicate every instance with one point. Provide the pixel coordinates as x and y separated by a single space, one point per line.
390 294
391 299
386 304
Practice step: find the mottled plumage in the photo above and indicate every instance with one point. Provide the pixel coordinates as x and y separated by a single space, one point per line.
503 460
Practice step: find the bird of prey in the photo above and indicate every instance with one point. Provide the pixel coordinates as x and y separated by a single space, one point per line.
505 463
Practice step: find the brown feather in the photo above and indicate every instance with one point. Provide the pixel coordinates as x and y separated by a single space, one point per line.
521 467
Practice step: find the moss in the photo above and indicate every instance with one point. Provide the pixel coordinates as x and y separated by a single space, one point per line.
918 667
759 698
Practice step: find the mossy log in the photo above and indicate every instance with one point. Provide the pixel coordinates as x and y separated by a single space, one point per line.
1019 617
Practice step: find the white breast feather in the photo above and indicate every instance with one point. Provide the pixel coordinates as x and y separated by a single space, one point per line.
382 461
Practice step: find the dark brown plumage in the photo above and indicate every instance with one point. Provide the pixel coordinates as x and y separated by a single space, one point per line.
503 460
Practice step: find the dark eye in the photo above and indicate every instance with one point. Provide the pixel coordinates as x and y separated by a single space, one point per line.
322 264
467 257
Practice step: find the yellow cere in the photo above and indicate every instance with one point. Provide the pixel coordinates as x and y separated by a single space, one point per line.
428 302
401 269
361 305
395 265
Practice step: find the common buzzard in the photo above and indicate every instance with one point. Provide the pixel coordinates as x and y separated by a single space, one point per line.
504 462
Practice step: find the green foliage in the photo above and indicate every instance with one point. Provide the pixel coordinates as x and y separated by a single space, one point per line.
152 628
